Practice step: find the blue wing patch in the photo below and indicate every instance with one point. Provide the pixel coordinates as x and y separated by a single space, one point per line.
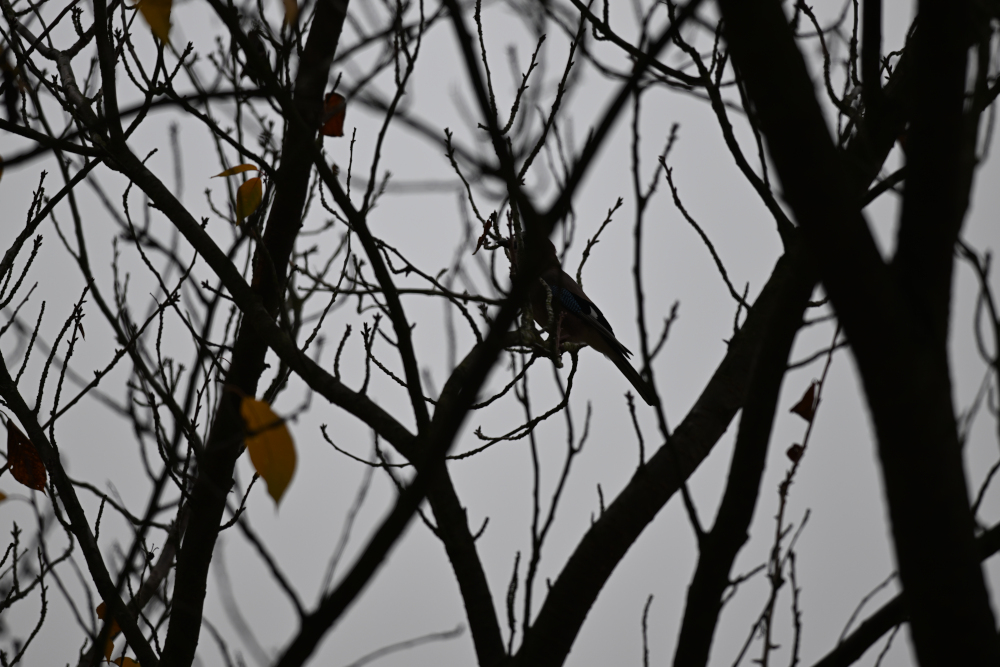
579 306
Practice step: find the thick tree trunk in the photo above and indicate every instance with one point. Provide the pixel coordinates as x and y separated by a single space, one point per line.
895 316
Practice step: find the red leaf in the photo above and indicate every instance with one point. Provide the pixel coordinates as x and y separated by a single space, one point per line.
334 110
25 465
806 407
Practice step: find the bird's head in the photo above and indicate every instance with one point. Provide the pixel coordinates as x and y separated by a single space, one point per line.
546 256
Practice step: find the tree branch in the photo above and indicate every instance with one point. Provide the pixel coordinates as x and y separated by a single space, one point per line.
574 591
898 345
215 467
892 613
78 519
732 524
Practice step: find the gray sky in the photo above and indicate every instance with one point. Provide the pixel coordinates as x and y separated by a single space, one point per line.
844 550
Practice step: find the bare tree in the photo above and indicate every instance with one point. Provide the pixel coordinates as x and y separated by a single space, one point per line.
213 312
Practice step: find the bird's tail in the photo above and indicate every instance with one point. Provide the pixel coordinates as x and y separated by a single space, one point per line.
641 386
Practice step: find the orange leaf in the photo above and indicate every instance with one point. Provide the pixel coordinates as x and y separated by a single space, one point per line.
291 11
25 465
125 662
806 407
113 631
334 110
238 169
248 198
272 451
114 624
157 15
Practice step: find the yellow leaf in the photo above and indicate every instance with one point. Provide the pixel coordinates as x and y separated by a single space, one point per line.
270 445
291 11
157 15
125 662
248 198
238 169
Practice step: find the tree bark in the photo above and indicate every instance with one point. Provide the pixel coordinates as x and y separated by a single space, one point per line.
225 441
895 316
719 547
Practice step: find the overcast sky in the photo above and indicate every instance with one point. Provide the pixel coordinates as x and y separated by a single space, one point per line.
844 550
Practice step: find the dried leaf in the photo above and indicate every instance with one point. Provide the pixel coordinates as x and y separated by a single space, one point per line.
125 662
291 11
485 235
272 451
806 407
25 465
3 496
113 631
334 110
157 15
794 452
238 169
248 198
101 610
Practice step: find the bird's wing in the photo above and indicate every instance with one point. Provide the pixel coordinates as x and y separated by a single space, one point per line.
596 330
572 299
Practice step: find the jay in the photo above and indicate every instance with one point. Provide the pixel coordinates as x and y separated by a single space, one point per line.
578 320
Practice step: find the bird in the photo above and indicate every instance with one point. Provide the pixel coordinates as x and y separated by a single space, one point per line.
578 320
251 70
